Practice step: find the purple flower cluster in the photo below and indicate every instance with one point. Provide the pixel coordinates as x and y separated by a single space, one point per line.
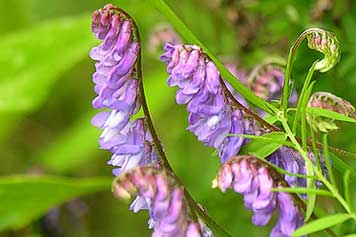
117 90
290 160
129 141
250 177
164 198
211 115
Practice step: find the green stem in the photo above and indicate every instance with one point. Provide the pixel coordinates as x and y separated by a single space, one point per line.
302 95
285 95
327 159
317 172
290 61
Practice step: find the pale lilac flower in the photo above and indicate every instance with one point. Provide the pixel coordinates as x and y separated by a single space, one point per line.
251 178
117 90
165 200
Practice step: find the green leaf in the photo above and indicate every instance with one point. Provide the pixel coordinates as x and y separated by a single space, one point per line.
303 191
35 58
351 235
25 198
263 146
189 36
329 114
341 166
321 224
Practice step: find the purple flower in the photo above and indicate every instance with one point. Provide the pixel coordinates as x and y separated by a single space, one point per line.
211 116
117 90
290 160
164 199
251 178
114 79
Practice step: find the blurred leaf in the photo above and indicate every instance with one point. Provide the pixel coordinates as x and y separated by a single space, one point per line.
321 224
303 190
263 146
36 57
25 198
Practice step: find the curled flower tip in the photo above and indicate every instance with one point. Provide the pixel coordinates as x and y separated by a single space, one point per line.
116 57
116 86
328 101
326 43
156 190
254 180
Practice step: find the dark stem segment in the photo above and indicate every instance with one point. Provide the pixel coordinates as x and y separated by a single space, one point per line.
193 206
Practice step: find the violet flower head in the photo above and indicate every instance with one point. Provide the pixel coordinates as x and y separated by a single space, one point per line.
117 90
211 116
251 178
170 216
116 55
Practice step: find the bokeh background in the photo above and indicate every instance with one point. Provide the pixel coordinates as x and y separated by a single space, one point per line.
45 106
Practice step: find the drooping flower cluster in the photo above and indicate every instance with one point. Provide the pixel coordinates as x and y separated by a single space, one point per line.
328 101
117 90
211 115
130 142
252 178
170 215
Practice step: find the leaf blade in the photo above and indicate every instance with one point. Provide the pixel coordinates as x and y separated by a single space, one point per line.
321 224
14 212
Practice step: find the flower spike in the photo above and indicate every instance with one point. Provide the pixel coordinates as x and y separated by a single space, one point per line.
254 180
165 200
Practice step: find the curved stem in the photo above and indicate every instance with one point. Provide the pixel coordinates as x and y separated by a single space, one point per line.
290 61
302 96
194 207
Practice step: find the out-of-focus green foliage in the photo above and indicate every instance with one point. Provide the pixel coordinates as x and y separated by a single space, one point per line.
46 93
24 198
33 59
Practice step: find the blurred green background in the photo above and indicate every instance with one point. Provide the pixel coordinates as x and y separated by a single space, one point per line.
45 106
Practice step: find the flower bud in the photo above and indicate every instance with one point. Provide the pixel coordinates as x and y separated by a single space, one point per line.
165 200
328 101
326 43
